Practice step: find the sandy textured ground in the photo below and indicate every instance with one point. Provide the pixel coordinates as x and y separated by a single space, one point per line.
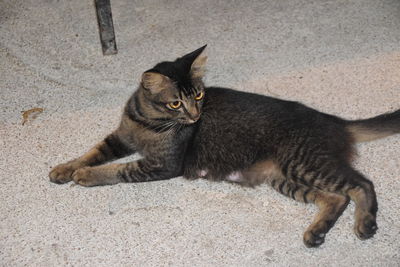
342 57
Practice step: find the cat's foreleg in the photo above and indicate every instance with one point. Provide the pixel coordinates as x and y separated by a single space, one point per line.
112 147
137 171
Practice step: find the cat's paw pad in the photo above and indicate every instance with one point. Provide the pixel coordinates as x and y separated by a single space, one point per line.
313 240
84 177
366 227
62 173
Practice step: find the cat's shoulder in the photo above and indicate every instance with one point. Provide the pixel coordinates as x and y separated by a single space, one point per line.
215 92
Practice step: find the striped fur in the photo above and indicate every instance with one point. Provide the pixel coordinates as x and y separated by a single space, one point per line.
240 137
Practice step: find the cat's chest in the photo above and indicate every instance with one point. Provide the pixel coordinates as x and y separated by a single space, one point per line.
151 142
156 143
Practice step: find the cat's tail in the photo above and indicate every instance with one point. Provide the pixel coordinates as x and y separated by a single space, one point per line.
375 128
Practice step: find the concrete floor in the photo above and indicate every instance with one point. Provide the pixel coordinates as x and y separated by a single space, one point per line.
342 57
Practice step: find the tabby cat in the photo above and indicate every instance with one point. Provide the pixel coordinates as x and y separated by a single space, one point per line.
181 127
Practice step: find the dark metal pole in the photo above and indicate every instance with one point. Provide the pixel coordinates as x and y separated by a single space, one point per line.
106 27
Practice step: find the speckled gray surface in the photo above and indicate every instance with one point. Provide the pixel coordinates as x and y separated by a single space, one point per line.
342 57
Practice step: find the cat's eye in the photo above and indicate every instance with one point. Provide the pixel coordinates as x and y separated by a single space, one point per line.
174 105
199 96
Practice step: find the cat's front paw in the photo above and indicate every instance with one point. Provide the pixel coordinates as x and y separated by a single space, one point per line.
62 173
85 177
99 175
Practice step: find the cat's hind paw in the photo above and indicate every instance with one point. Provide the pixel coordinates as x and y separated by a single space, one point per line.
366 227
313 240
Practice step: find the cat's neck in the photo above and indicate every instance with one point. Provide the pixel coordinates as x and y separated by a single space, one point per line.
139 110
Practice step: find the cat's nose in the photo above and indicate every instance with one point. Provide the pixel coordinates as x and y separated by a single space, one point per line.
194 118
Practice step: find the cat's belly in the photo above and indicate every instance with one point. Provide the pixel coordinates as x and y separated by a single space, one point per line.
259 173
236 177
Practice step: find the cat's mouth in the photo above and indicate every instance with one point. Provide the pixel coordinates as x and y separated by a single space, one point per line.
189 121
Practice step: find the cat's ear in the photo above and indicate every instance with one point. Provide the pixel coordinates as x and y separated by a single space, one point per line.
155 82
196 61
198 68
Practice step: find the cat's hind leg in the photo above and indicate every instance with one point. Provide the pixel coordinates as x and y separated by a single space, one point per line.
112 147
338 177
330 205
361 191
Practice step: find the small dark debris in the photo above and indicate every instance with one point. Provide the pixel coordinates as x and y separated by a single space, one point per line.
30 114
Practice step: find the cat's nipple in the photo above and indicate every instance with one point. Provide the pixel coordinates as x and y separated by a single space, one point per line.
235 177
202 173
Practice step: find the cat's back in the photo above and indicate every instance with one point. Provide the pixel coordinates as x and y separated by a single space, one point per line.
239 107
238 128
221 99
234 127
226 103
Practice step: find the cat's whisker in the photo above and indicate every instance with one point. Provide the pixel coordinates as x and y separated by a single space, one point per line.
164 126
169 132
158 128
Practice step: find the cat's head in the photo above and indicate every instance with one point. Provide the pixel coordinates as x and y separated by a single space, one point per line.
175 89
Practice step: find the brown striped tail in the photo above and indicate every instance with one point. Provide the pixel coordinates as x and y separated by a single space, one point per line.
374 128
